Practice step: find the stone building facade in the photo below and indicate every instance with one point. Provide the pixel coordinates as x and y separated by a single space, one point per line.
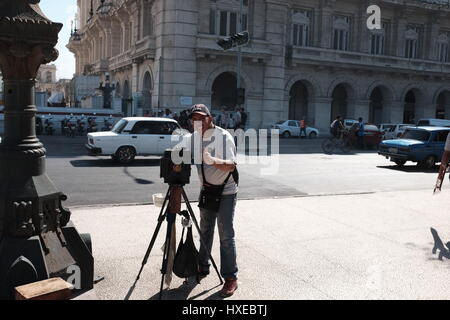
312 58
46 79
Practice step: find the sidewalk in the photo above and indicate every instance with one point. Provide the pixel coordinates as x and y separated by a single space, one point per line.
366 246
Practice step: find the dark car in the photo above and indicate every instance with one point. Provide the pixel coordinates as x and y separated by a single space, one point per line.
424 145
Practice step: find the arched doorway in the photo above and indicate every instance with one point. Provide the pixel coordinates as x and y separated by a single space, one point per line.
126 101
409 113
339 101
147 93
440 105
224 92
298 101
376 106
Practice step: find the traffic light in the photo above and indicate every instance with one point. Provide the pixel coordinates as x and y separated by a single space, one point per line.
238 39
240 96
225 43
241 38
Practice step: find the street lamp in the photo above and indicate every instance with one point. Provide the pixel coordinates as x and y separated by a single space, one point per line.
105 91
104 8
37 239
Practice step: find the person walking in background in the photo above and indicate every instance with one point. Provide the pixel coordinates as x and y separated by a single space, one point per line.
168 114
336 127
230 124
244 117
303 128
237 119
223 119
360 134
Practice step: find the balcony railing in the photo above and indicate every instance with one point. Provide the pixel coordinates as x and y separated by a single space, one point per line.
340 58
429 4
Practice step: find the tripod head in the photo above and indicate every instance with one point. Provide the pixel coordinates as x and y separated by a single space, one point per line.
175 174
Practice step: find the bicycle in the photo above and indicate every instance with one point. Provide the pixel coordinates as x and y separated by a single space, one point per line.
332 143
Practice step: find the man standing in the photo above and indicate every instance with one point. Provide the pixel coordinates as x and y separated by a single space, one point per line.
237 119
243 118
218 196
336 127
360 133
303 127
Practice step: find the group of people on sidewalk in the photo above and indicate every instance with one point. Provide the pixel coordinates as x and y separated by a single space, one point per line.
232 119
226 119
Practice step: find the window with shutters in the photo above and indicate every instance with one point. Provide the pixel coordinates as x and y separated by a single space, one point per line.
378 40
341 33
224 17
412 37
301 28
443 47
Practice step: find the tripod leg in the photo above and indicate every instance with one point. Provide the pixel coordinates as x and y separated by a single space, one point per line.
170 222
202 243
155 234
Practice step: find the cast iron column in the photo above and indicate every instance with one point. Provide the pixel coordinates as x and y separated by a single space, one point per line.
37 241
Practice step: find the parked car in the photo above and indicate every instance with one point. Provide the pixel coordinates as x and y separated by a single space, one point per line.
349 123
424 145
372 135
385 127
396 131
132 137
291 128
433 123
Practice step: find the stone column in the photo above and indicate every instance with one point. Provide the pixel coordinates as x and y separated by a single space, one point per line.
134 89
326 27
394 111
176 53
427 110
274 71
363 33
322 114
399 43
358 108
431 37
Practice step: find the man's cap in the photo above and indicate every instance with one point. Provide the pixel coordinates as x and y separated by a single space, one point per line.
201 109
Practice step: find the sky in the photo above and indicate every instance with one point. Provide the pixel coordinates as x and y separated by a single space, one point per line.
62 11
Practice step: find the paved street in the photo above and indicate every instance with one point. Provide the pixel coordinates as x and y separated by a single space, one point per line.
371 246
349 226
303 170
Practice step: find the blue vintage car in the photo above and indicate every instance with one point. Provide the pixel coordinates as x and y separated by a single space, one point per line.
424 145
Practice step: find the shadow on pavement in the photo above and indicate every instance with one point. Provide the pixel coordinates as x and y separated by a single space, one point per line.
180 293
99 162
137 180
412 169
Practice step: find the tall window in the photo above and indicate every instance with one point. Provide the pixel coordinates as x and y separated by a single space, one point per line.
341 33
147 19
412 43
378 41
301 28
48 77
443 48
224 18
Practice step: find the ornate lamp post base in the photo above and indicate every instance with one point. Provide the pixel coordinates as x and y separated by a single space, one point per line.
37 239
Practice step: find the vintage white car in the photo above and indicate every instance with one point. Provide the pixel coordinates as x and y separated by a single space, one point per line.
132 137
291 128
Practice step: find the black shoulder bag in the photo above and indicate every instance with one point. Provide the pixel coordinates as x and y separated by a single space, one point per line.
185 264
211 195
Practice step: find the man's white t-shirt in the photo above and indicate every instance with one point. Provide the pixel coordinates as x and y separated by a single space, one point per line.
220 144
